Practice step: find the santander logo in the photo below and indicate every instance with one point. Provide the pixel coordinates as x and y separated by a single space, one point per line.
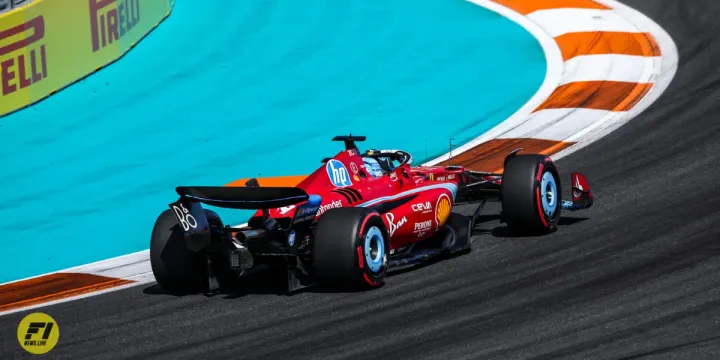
331 205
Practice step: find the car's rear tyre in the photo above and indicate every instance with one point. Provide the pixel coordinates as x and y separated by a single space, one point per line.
350 248
177 270
531 195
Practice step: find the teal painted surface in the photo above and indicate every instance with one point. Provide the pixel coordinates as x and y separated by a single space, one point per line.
250 88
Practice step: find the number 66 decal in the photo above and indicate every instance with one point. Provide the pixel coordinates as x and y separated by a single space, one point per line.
186 219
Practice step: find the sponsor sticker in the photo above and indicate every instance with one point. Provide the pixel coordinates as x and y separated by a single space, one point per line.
423 226
285 209
110 20
311 210
392 225
442 209
333 204
20 69
38 333
442 178
393 176
337 173
306 213
354 168
187 221
423 208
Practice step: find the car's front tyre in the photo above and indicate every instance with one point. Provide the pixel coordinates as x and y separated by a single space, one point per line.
531 194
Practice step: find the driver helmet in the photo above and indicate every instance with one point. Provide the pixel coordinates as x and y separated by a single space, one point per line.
372 166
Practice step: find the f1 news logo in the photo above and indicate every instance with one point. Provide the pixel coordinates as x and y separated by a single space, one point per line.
20 69
38 333
34 328
110 20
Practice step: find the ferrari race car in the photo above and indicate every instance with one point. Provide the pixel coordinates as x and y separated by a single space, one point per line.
357 217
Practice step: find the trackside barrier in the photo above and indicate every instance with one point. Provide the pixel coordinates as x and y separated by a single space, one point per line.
49 44
7 5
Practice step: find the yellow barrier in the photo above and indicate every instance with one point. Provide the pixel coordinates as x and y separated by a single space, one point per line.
50 44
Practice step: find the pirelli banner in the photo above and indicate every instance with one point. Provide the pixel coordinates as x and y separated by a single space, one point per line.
49 44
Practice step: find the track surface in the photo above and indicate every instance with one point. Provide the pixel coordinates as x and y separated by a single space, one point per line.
638 278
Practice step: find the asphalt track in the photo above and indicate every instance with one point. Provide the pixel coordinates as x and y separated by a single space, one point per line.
638 278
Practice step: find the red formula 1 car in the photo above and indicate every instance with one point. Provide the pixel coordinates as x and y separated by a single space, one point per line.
351 221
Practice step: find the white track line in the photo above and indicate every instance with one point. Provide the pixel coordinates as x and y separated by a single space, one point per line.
556 124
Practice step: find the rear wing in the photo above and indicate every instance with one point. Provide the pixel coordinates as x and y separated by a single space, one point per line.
249 198
191 216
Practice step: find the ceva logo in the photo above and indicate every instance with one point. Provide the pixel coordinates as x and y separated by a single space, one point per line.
424 207
337 173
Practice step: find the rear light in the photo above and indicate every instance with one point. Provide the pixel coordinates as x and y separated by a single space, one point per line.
241 258
235 260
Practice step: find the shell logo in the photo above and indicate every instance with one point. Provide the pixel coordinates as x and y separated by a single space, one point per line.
442 209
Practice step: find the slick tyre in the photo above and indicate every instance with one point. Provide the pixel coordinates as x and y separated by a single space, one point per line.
350 248
177 270
531 195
